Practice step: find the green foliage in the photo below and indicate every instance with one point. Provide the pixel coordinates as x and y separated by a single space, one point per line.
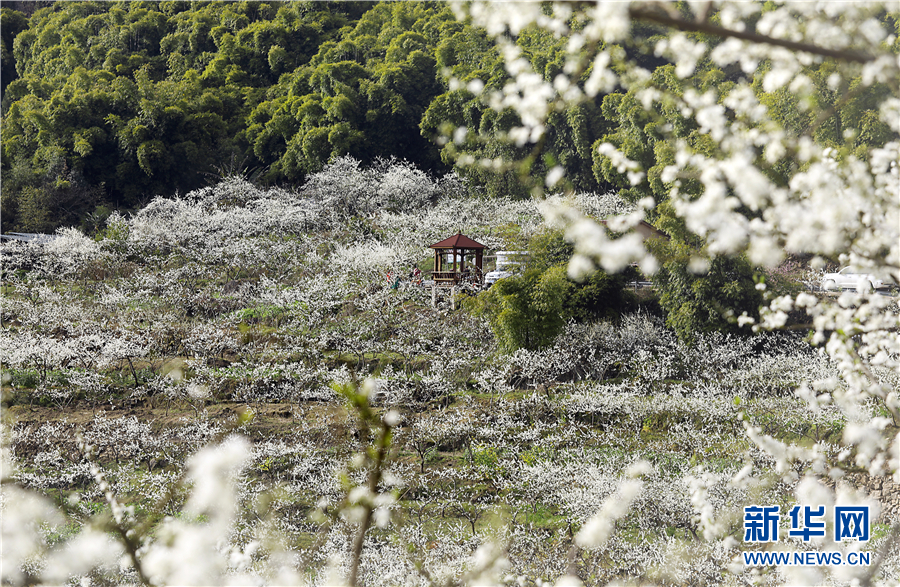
24 378
505 167
602 296
530 310
132 100
37 203
12 22
486 456
363 96
526 311
138 99
646 135
704 301
549 248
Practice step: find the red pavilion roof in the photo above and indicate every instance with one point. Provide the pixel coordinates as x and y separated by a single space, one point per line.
458 241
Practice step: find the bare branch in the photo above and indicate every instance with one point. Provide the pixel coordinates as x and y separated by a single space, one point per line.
664 18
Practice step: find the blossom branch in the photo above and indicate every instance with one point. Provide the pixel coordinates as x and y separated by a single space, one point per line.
375 457
126 536
682 24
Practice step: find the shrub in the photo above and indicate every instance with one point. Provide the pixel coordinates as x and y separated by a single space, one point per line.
707 301
530 310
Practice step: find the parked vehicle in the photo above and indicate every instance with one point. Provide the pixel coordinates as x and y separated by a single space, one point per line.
847 279
508 263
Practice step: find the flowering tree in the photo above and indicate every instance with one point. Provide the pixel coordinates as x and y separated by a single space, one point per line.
769 130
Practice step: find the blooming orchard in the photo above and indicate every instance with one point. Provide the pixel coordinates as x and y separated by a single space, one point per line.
223 389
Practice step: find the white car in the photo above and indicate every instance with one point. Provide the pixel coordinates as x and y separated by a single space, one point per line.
847 279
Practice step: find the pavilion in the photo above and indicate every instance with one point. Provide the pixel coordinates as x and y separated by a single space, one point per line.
450 268
450 261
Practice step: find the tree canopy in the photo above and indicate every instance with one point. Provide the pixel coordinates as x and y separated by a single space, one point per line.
109 104
530 310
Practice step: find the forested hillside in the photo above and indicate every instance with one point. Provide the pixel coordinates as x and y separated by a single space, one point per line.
108 104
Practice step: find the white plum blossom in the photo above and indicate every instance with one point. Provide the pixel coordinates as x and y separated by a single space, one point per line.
266 297
833 205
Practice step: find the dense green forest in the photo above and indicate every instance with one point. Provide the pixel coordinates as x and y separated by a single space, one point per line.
108 104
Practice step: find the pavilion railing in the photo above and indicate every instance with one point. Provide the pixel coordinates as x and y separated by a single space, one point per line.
455 277
445 275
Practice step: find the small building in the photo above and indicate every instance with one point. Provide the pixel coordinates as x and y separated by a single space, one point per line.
450 261
508 263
